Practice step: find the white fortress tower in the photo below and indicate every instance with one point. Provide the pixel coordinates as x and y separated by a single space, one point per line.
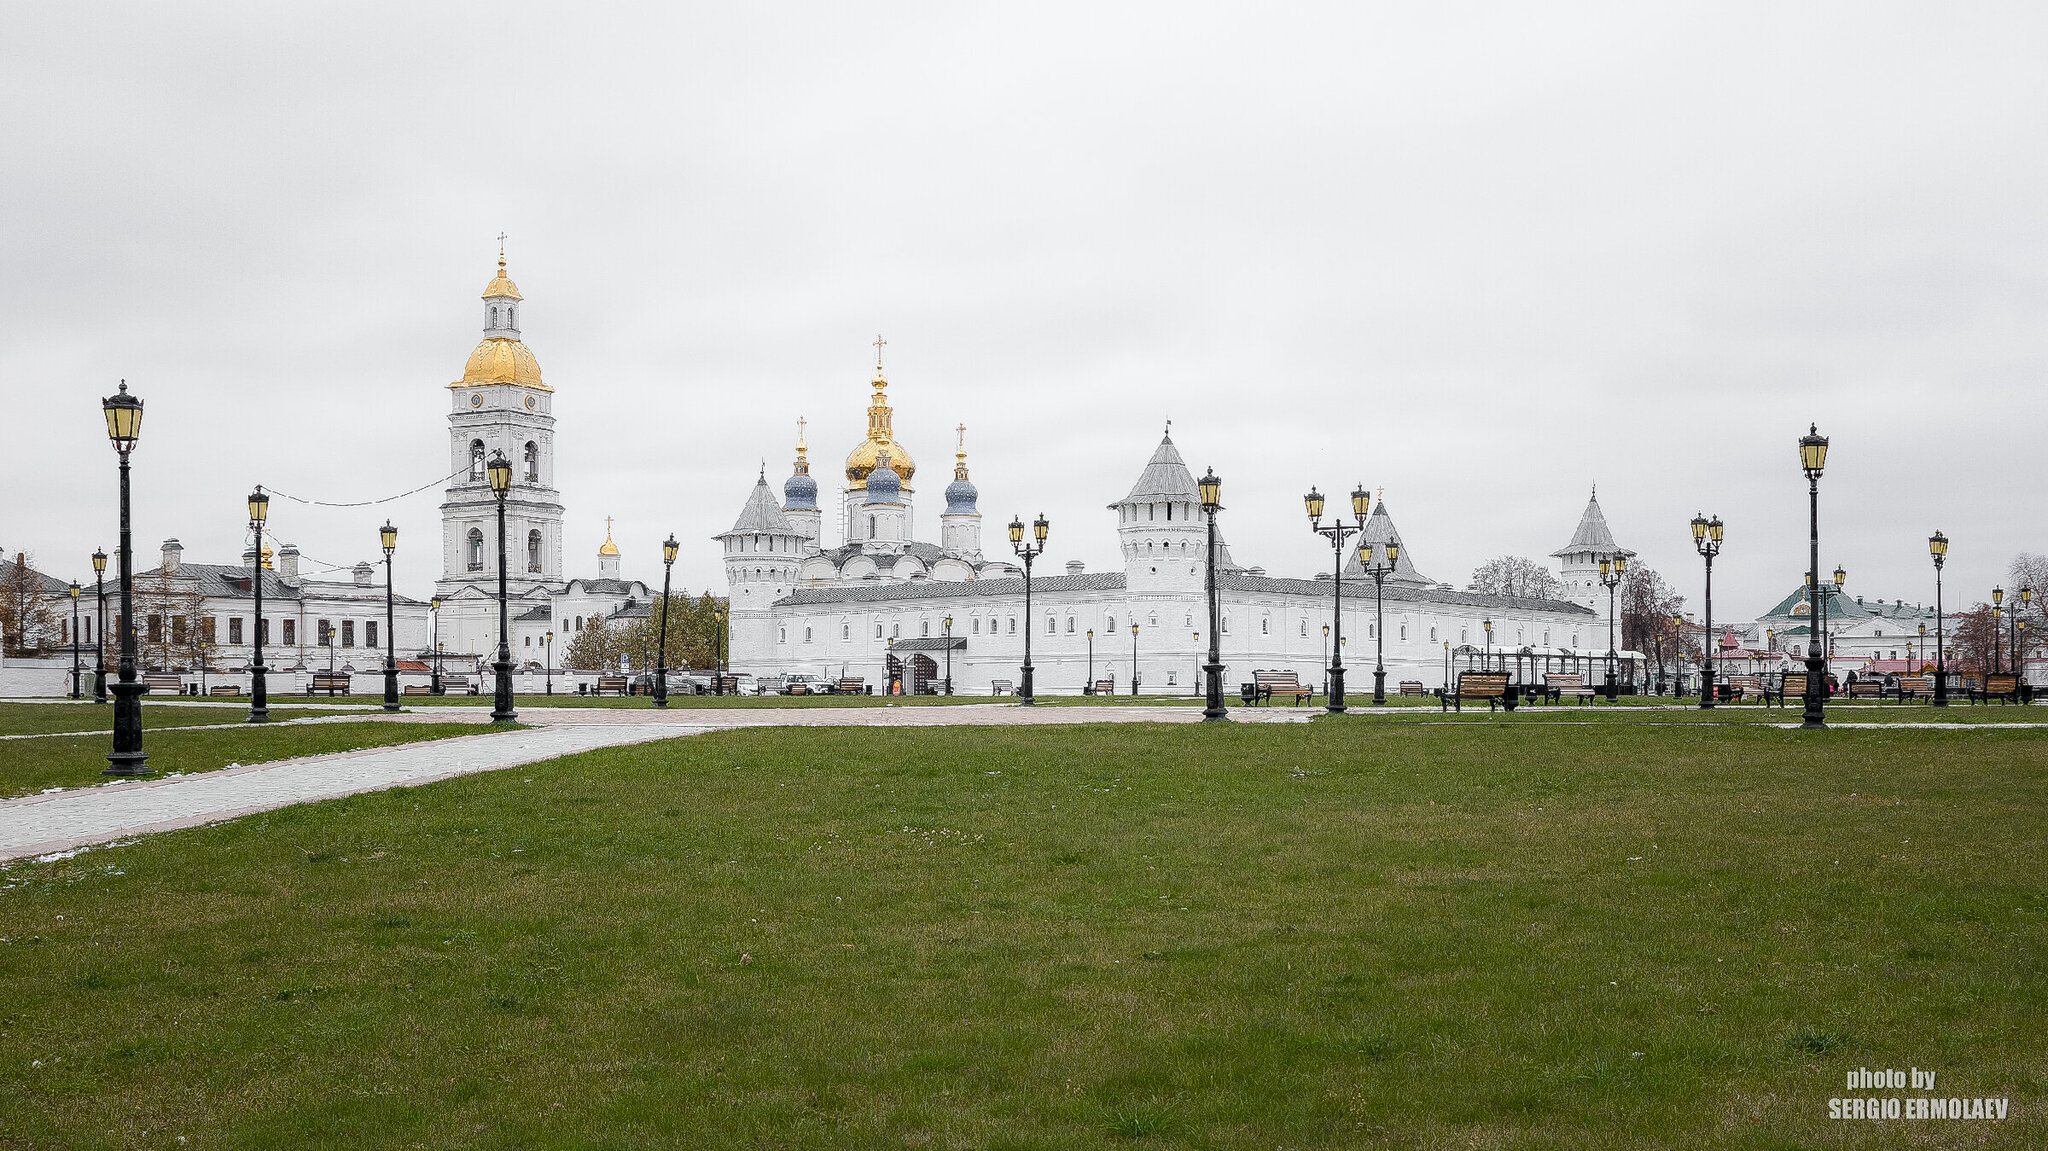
1581 558
1160 528
960 526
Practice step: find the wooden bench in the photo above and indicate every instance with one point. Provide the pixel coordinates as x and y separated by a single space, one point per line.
615 684
331 682
1491 686
1558 684
167 682
1866 689
1791 685
225 689
1412 687
1741 687
1916 687
1105 687
415 689
2005 688
853 685
1002 687
1272 683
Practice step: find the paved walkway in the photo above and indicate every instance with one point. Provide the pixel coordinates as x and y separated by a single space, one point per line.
62 821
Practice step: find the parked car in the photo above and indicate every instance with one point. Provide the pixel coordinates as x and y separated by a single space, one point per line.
805 685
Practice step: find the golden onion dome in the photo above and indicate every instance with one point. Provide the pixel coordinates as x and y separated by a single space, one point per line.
502 286
609 548
501 360
861 461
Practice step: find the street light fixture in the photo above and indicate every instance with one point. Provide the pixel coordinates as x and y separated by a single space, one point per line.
76 675
1028 552
948 623
1937 546
548 659
435 607
1612 570
499 472
99 625
124 428
1089 687
669 548
1379 567
388 537
1134 657
1997 610
1813 459
259 678
1706 539
1337 533
1212 502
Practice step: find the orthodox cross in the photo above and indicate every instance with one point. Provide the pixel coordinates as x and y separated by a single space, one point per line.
879 342
607 527
962 444
501 247
799 433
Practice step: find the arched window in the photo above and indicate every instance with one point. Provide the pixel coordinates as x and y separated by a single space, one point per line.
924 627
533 550
895 630
511 317
846 631
1304 628
782 635
476 459
494 315
476 549
1265 625
1432 635
1404 633
532 464
1112 625
1051 625
807 633
1013 625
1070 625
974 625
878 629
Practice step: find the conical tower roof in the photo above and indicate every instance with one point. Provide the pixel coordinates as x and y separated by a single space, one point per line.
1380 529
1593 535
760 513
1166 478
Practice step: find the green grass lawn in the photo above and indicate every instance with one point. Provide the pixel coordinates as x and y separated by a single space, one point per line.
28 766
41 718
1329 935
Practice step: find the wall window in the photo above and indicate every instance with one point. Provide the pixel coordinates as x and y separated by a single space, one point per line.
782 635
1051 625
235 630
1170 680
207 634
290 627
807 633
974 625
526 641
924 627
178 629
1013 625
533 550
878 629
1404 633
1304 627
370 634
1464 635
325 632
476 549
532 462
1153 621
895 629
1546 637
476 459
155 624
845 631
1265 625
348 633
1432 635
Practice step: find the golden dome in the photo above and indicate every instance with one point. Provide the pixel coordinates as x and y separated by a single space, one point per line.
881 438
502 287
501 360
609 548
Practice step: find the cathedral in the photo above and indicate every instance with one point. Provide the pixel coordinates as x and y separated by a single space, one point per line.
884 607
501 404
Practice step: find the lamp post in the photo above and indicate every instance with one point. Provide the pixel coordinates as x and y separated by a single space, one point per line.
76 676
435 606
889 666
1612 569
388 537
1997 610
1678 655
1919 643
669 547
949 652
1027 552
1326 660
499 471
1486 625
99 625
1212 502
1937 546
1337 533
124 427
1134 657
1198 659
259 679
1813 458
1379 566
2012 647
1841 577
1706 539
1086 688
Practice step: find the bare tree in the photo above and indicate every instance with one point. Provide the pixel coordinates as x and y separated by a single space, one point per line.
1515 576
173 629
28 610
1649 615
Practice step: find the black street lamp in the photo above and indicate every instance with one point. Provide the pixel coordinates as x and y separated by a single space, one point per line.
1088 688
124 427
669 547
1134 657
1919 645
388 536
1813 458
1612 570
949 651
1337 533
2012 647
1326 661
259 682
1706 539
1487 626
499 470
435 607
1379 566
889 666
77 684
548 659
1997 610
99 625
1198 660
718 649
1937 546
1028 552
1212 502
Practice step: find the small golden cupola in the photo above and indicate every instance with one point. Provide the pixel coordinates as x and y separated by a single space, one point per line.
608 555
501 357
881 439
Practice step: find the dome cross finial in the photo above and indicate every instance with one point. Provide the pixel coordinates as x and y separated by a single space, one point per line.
880 343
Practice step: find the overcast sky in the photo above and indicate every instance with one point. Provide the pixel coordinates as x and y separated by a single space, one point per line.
1483 256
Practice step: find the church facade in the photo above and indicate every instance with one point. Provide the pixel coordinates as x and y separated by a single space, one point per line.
879 605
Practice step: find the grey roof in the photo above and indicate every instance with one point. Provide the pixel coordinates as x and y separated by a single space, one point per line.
220 580
1114 581
1593 535
1379 529
1166 477
760 514
1842 609
930 643
929 554
603 585
537 611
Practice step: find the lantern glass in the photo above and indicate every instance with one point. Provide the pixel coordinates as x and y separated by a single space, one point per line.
1040 526
1997 596
1212 491
1841 577
2026 595
1361 502
1714 529
388 536
669 548
124 418
1314 502
1393 551
1134 629
1016 532
74 589
1937 546
1606 567
500 471
1813 451
1365 554
99 562
1699 528
1620 564
435 603
259 506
